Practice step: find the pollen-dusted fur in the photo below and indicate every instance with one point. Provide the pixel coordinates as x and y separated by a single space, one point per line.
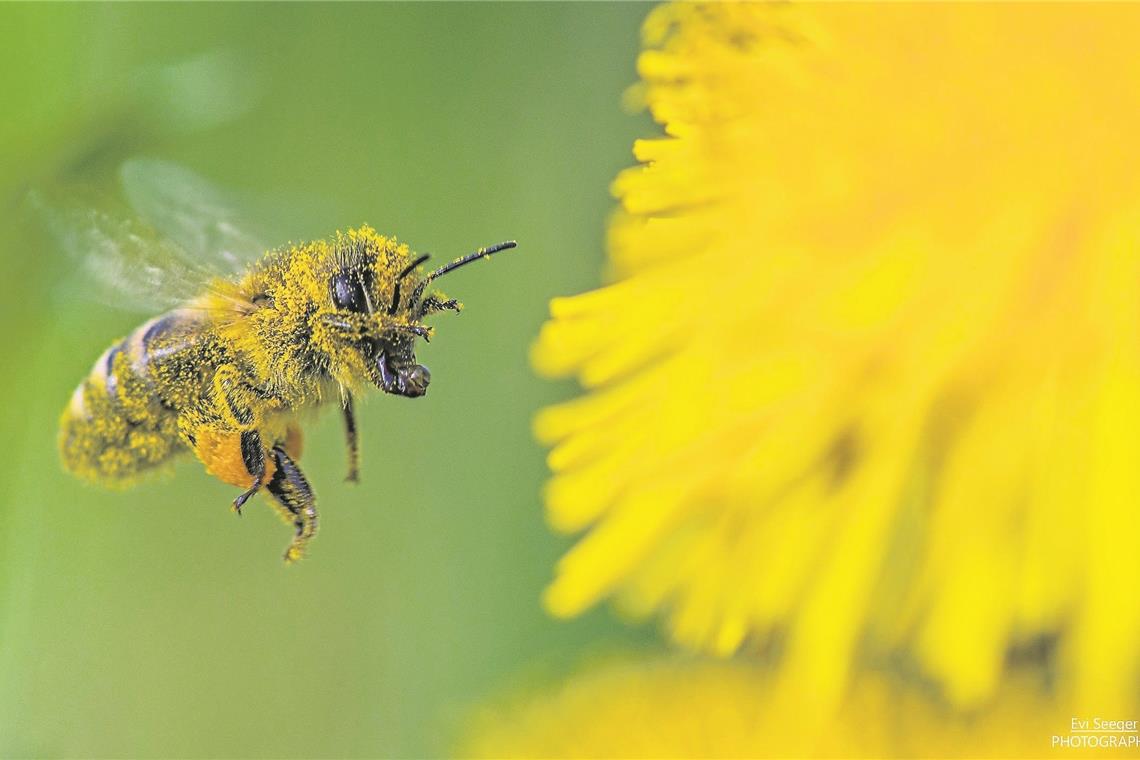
290 347
227 375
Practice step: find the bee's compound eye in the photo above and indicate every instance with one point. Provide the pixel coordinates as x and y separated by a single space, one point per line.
348 293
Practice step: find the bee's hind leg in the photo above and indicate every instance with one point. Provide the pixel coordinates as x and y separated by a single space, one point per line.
291 490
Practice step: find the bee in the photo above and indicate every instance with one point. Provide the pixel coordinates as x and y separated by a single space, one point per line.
227 373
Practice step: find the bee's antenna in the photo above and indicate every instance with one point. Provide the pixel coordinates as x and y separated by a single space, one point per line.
408 269
469 258
396 288
482 252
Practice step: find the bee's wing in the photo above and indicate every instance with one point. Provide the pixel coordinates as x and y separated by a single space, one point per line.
191 212
120 262
184 237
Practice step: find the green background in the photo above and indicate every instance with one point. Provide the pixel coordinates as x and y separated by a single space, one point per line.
154 622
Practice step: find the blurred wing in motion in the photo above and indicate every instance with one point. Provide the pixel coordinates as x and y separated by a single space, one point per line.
184 237
191 212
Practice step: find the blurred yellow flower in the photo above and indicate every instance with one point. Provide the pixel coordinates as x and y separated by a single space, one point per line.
867 381
674 709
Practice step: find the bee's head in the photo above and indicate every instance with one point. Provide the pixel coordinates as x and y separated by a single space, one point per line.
378 306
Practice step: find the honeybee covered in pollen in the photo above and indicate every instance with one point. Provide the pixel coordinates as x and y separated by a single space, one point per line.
253 341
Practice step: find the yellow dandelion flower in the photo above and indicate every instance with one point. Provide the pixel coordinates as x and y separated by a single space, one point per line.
867 380
670 709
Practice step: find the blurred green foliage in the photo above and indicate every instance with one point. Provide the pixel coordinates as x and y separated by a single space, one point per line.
154 622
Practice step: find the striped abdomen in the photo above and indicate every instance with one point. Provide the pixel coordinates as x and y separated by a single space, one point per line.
123 418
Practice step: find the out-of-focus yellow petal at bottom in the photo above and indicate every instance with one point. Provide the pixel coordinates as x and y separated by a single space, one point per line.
669 708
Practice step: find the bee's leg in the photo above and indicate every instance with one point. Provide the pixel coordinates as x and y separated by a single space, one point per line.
350 434
234 400
253 455
432 304
290 488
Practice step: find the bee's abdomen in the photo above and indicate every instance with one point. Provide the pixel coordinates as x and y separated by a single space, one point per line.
118 424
